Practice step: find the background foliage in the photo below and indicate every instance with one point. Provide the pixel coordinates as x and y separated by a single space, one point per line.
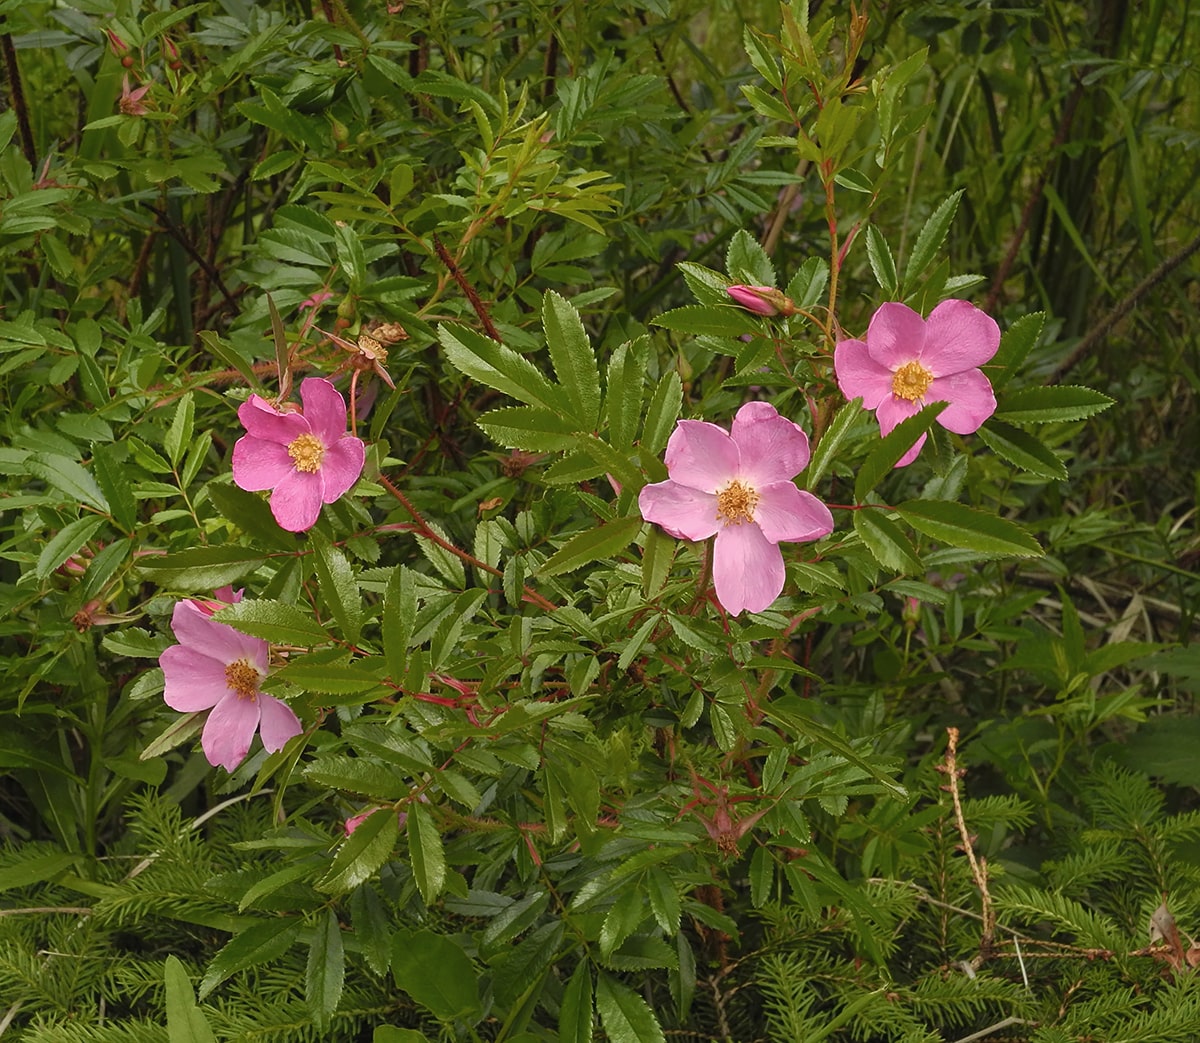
600 809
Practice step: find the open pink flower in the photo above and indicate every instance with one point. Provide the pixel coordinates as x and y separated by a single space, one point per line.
130 102
907 362
738 485
306 458
217 668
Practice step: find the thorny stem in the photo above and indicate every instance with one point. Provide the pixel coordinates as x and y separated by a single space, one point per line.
978 865
428 533
467 289
17 94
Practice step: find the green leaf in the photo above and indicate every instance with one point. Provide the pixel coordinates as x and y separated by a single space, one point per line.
517 969
884 457
835 436
425 853
747 262
1044 405
585 547
179 434
340 676
263 942
399 615
883 265
339 588
1021 449
929 240
886 542
69 477
626 1017
1015 344
111 472
795 714
809 282
573 359
66 542
957 525
205 568
362 853
391 1034
662 413
229 355
185 1020
575 1020
529 428
274 621
501 368
36 869
623 399
250 513
704 320
658 554
762 56
436 973
326 970
664 899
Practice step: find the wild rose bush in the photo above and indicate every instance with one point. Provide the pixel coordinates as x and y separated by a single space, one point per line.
581 634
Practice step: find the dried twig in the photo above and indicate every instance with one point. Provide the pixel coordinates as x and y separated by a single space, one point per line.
466 288
978 864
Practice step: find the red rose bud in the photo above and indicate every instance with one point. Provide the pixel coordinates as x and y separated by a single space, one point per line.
762 300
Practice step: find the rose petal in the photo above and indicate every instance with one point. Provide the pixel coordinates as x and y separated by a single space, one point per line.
341 466
229 731
912 454
747 569
218 641
261 420
787 513
701 456
859 374
971 400
259 463
892 410
277 724
194 681
896 335
296 501
324 409
685 513
958 336
772 448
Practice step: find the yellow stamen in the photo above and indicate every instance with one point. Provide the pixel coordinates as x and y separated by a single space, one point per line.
243 679
911 381
307 452
736 503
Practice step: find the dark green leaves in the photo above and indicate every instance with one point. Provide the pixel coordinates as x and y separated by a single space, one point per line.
436 973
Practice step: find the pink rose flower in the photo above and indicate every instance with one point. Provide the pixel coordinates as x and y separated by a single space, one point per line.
306 458
217 668
738 486
907 361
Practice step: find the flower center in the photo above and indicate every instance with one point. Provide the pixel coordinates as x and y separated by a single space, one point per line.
911 381
736 503
307 452
243 679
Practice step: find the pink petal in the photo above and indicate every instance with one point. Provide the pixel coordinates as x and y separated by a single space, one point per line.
229 731
859 374
686 513
259 463
341 466
890 412
194 681
218 641
747 569
971 400
296 501
324 409
912 454
701 456
772 448
958 336
787 513
896 335
278 723
262 421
